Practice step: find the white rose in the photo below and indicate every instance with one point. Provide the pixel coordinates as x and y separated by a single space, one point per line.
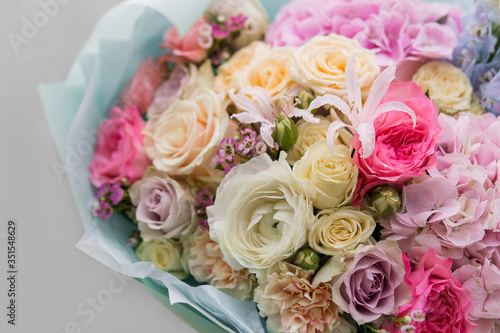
333 174
341 230
446 85
320 65
261 214
165 254
186 134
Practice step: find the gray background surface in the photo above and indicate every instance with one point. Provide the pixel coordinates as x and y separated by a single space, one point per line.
55 279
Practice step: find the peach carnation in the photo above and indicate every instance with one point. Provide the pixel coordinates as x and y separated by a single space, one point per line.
206 264
293 304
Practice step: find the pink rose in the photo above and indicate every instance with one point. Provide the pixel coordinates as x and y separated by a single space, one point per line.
442 299
141 89
401 151
186 48
119 152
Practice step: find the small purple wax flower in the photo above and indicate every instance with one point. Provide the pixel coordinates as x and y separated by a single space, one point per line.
260 148
227 150
203 225
248 142
102 191
104 211
236 22
205 197
116 193
218 32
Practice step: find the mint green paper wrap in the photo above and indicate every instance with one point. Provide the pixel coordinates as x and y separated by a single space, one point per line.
127 34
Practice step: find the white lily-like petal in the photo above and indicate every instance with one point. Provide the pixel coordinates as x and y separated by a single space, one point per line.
258 107
335 101
366 133
395 106
380 87
352 83
330 133
362 117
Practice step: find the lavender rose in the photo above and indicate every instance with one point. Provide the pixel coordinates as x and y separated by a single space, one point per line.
373 284
163 209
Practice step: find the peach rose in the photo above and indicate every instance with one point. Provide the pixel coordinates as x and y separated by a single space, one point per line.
270 72
320 65
228 72
187 133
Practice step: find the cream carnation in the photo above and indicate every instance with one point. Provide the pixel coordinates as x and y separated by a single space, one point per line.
186 134
333 174
165 254
206 264
446 85
320 65
261 214
293 304
340 230
228 73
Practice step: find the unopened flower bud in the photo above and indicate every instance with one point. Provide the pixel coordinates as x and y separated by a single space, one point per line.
285 134
407 320
384 200
418 315
306 258
408 329
305 98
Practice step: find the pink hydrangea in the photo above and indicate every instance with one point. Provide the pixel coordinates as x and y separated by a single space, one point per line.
407 32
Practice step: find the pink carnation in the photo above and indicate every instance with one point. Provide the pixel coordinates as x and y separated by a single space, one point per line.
141 89
119 152
401 151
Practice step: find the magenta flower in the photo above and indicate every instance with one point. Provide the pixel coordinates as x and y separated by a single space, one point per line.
236 22
227 151
104 210
115 193
218 32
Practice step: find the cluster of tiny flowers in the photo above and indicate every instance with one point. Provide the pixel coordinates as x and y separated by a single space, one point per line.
110 198
204 198
244 146
217 37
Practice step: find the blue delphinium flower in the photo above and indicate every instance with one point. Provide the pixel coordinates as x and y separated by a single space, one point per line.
478 54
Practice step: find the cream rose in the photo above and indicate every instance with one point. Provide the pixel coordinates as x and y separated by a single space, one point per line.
186 134
261 214
165 254
333 174
311 133
446 85
320 65
270 72
341 230
231 70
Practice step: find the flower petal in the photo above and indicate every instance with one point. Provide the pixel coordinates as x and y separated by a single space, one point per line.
335 101
366 133
378 91
395 106
337 124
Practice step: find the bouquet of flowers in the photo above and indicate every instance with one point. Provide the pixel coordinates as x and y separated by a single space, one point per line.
334 171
